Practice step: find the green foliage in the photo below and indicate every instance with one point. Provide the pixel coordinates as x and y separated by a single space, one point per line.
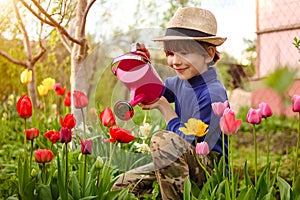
281 79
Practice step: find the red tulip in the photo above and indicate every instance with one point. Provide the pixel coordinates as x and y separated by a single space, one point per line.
119 134
254 116
107 117
80 99
32 133
219 107
24 107
65 135
43 155
59 90
265 110
202 148
69 121
52 135
67 100
228 124
296 103
86 146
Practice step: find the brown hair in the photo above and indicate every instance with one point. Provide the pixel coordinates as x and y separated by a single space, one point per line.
190 46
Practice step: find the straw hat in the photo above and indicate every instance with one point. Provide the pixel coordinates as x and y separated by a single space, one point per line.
192 23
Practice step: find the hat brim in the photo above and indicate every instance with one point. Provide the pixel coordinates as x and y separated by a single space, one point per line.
212 40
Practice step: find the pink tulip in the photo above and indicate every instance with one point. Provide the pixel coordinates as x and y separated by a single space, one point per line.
80 99
202 148
296 103
254 116
228 124
65 135
219 107
86 146
265 110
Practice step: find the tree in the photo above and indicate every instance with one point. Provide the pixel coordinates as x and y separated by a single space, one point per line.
75 42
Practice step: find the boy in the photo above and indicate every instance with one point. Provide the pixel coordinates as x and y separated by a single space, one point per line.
190 45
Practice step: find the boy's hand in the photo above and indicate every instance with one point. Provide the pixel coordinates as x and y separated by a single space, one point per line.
140 48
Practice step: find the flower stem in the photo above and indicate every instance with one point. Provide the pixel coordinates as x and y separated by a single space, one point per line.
255 155
268 141
232 169
83 120
31 151
44 173
25 151
84 174
224 154
67 168
296 153
98 178
202 166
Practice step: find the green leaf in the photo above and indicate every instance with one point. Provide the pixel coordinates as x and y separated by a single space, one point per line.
60 181
187 189
44 192
246 175
284 188
75 187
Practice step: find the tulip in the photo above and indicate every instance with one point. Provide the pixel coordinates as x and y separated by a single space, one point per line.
32 133
265 110
26 76
43 155
86 146
194 127
52 135
296 108
119 134
67 100
228 124
59 90
254 116
69 121
202 148
48 83
107 117
80 99
42 90
296 103
65 135
219 107
99 162
24 107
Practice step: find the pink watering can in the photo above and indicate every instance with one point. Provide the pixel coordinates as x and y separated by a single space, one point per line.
135 71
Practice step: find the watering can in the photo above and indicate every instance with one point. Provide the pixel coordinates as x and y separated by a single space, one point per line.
135 71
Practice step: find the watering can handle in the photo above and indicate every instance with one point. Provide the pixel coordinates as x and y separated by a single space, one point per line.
127 57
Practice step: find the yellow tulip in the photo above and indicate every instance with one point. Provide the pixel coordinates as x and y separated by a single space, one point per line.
194 127
26 76
48 83
42 90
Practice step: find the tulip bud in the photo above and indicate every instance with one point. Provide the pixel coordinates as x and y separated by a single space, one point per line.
33 173
99 163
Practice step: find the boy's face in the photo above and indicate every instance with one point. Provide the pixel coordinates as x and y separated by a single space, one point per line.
187 65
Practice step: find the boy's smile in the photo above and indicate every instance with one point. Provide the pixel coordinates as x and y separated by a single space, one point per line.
187 65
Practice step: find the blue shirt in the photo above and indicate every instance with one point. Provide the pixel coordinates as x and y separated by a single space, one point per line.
193 99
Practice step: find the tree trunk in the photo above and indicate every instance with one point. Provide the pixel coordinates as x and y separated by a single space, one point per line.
78 58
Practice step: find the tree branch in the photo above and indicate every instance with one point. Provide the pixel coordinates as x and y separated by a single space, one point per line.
40 54
61 29
14 61
36 14
85 15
